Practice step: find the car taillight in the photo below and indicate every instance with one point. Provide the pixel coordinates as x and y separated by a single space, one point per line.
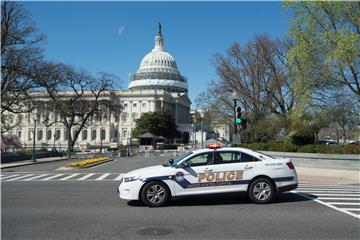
290 165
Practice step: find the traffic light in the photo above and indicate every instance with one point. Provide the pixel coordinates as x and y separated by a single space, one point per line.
238 115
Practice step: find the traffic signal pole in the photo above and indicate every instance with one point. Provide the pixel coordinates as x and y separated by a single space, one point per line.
235 125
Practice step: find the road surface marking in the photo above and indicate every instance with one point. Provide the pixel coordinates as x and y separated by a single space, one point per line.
23 176
338 198
118 178
55 176
36 177
86 176
340 195
2 178
352 209
68 177
344 203
102 177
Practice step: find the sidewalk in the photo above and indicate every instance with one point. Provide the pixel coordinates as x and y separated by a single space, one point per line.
30 162
327 176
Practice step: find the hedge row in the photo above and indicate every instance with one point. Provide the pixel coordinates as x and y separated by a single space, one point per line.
313 148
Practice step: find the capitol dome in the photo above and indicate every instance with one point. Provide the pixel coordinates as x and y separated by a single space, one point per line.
158 70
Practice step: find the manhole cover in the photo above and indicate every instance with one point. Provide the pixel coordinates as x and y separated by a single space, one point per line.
155 231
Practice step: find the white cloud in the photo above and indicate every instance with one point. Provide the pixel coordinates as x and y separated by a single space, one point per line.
120 30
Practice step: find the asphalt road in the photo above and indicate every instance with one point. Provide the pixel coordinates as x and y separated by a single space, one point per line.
92 210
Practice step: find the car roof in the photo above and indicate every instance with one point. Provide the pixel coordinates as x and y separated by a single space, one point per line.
245 150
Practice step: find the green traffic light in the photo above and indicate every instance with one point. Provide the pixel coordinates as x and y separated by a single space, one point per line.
238 120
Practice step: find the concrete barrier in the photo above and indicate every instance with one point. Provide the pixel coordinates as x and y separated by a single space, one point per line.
321 160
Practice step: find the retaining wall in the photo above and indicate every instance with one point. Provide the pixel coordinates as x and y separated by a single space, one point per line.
321 160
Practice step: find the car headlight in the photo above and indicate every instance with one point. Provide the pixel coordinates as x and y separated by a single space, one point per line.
130 179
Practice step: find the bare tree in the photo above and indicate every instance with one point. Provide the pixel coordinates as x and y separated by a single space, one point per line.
76 96
258 73
20 53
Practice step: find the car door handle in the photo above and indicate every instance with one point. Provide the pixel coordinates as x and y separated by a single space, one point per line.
248 167
208 170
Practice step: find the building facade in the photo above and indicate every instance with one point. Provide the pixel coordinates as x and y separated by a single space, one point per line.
156 86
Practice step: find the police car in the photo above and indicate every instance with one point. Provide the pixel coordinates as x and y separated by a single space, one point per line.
208 171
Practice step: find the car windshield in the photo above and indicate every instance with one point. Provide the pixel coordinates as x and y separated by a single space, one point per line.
181 158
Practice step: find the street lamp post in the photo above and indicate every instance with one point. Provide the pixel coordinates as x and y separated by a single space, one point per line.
201 123
101 139
34 137
234 97
69 138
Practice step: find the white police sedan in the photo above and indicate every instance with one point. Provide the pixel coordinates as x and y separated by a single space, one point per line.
211 170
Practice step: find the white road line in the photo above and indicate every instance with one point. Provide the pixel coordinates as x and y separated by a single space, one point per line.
118 178
351 209
340 195
102 177
86 176
344 203
330 186
7 177
51 177
68 177
338 198
17 178
328 205
326 191
36 177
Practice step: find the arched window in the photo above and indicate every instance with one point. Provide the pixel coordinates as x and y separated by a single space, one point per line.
39 134
84 134
48 134
93 134
57 134
103 134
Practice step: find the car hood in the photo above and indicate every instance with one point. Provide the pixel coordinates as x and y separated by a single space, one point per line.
151 171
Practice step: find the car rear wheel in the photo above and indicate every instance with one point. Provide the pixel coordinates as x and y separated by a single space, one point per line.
155 194
261 190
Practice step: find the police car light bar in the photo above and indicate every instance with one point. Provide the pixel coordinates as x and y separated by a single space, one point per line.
214 145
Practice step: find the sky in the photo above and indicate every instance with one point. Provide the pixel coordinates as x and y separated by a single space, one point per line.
114 36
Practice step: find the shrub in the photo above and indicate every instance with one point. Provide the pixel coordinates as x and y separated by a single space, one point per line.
167 146
87 162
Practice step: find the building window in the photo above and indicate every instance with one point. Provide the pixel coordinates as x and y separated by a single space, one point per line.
134 104
39 134
93 134
135 116
143 104
125 116
48 134
19 134
125 105
84 134
57 134
124 133
30 134
103 134
116 118
11 118
115 134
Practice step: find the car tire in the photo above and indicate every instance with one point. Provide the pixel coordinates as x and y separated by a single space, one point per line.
261 190
155 194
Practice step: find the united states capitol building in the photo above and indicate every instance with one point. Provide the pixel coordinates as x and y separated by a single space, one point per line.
156 86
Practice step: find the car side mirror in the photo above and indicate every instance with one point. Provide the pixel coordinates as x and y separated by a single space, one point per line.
171 161
183 165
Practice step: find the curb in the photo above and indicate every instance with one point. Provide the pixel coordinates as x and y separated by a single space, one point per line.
32 163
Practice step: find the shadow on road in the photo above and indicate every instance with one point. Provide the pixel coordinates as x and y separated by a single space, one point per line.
226 199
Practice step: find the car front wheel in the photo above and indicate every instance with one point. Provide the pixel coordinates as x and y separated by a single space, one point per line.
155 194
261 190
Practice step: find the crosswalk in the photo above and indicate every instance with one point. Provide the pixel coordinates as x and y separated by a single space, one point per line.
61 177
343 198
